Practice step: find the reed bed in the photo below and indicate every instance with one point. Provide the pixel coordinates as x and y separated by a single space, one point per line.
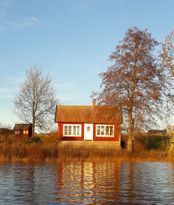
42 153
46 151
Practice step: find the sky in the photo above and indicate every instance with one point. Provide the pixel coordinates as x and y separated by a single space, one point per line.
71 41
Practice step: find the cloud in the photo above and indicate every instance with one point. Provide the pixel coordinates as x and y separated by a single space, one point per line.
7 22
27 22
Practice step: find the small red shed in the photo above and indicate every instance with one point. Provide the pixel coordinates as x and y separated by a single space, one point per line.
95 123
23 130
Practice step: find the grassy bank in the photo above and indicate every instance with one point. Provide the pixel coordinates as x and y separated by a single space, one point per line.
49 149
41 152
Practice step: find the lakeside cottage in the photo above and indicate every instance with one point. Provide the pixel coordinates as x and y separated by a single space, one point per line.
88 123
23 130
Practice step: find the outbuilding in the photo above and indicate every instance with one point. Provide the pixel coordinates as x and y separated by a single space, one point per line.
23 130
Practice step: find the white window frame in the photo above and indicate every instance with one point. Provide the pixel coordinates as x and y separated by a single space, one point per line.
72 134
104 131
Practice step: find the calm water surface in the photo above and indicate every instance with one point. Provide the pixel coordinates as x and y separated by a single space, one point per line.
87 183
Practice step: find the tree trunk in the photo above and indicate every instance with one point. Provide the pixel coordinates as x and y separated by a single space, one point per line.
129 145
130 133
131 106
33 128
33 124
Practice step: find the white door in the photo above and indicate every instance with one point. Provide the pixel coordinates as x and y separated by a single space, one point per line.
88 131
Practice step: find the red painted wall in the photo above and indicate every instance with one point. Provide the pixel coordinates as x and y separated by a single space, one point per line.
95 138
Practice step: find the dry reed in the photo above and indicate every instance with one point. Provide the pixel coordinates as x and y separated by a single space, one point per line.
50 150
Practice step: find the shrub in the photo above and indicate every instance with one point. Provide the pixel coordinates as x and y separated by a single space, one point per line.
157 142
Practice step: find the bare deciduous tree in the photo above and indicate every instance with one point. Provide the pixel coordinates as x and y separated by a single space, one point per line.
134 81
167 54
167 62
35 102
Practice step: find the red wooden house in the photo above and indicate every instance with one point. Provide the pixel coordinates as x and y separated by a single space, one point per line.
97 123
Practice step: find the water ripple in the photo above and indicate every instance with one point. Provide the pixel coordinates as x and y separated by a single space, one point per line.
87 183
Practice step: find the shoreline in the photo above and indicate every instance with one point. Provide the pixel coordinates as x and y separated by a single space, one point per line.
19 152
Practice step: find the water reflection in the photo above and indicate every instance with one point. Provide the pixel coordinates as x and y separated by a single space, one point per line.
87 182
111 182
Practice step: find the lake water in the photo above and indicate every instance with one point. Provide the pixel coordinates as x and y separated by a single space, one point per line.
87 183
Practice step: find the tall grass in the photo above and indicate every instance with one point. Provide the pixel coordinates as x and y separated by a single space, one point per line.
48 148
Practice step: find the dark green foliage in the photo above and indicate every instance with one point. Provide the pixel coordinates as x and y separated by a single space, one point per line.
158 142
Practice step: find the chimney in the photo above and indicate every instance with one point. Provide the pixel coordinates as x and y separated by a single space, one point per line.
94 102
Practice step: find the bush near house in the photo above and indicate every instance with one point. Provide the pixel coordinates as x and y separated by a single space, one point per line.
148 142
154 141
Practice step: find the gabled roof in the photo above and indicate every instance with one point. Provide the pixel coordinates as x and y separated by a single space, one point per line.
88 114
22 126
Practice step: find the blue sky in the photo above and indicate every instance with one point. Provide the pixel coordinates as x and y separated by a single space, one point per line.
71 41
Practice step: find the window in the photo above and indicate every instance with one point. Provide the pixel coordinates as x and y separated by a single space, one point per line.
79 130
74 130
88 129
105 130
70 130
25 132
17 132
65 130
